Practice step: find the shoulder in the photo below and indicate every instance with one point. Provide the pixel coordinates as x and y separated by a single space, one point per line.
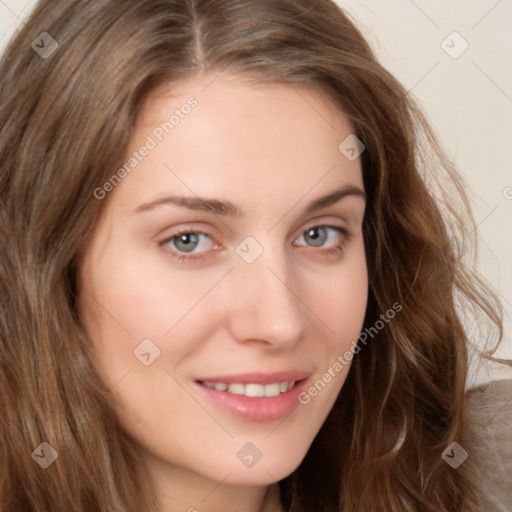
489 441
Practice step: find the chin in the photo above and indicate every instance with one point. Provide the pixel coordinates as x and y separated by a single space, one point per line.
268 469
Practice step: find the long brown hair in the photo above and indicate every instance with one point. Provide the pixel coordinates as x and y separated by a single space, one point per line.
67 113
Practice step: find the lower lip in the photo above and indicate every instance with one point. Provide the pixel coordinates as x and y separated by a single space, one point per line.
256 408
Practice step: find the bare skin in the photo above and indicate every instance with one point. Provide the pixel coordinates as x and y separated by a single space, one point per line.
300 304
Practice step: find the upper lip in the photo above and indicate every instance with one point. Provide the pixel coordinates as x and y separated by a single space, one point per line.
258 377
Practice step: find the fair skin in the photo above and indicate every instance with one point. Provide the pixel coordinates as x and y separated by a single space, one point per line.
271 150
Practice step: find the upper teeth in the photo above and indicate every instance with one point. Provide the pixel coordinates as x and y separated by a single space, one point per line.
252 390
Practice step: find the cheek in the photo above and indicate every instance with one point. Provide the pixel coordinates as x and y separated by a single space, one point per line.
341 299
146 297
134 298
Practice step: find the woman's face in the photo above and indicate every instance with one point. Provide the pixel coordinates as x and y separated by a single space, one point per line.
229 256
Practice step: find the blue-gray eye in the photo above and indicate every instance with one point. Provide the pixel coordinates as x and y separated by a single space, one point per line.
318 235
186 242
189 241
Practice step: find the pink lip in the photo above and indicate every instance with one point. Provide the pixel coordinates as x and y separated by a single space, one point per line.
257 408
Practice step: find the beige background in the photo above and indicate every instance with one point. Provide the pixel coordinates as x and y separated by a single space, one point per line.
466 95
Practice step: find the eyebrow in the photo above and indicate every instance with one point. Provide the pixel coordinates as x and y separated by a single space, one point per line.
219 207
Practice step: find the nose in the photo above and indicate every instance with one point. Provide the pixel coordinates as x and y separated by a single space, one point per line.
266 302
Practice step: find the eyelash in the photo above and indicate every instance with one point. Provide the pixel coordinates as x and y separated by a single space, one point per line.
333 251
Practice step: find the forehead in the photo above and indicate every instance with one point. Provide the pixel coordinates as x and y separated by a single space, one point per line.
213 135
228 104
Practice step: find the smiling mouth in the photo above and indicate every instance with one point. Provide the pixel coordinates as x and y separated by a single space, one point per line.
255 396
251 390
